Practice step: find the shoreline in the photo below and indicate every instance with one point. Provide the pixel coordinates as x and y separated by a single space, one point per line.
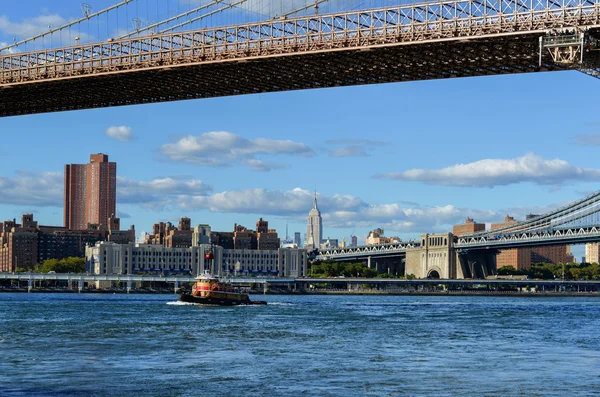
304 293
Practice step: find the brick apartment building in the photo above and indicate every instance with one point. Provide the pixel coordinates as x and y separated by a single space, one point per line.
167 235
90 192
469 227
26 244
522 258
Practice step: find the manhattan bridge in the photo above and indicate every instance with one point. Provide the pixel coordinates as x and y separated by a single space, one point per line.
144 51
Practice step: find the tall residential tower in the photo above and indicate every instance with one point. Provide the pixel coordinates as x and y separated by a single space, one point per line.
314 227
90 192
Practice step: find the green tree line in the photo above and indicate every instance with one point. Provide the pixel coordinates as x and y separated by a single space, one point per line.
67 265
546 271
343 269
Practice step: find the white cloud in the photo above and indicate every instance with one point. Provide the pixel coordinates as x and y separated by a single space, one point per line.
274 202
121 133
339 211
158 193
33 188
47 189
497 172
7 51
223 149
397 218
30 26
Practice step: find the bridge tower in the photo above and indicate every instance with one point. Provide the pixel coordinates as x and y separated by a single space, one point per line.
436 258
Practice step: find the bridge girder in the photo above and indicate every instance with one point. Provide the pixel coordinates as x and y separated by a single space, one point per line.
453 38
270 74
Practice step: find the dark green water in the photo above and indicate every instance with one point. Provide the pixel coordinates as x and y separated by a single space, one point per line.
143 345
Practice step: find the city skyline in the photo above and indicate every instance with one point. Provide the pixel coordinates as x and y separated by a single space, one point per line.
411 157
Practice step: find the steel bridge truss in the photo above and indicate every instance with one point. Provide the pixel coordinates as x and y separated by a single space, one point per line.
367 250
577 220
455 38
532 238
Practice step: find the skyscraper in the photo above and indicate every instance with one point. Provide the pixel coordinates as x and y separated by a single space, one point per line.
297 239
314 227
90 192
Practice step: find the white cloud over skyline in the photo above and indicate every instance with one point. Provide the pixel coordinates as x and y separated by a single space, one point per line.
189 195
499 172
38 189
224 149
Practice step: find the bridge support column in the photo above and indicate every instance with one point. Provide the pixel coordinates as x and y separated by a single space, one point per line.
176 286
369 262
29 285
478 264
128 286
80 285
265 288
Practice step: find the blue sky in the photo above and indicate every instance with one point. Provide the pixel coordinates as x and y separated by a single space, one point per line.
409 157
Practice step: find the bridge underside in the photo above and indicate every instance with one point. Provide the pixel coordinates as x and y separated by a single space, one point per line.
329 68
477 264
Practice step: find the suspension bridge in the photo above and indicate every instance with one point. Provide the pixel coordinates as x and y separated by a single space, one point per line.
576 223
473 256
226 47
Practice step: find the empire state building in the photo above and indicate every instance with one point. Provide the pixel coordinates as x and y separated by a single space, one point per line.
314 227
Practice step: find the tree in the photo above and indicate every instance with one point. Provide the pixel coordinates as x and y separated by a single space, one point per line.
507 270
67 265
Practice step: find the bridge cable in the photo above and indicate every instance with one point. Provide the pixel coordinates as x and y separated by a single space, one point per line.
230 5
297 10
171 19
78 21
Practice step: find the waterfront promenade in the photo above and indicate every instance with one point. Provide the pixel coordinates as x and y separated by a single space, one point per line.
39 282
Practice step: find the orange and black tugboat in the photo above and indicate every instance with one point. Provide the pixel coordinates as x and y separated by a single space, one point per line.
209 290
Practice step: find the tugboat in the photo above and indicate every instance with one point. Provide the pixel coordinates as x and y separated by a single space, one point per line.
208 290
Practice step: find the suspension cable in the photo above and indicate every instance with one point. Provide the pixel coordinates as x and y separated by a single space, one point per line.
201 16
41 35
182 15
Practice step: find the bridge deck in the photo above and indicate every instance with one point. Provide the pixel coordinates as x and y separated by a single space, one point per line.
412 42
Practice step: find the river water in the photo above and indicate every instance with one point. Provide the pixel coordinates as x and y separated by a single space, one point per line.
149 345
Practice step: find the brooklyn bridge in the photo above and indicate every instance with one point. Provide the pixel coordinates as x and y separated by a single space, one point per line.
300 49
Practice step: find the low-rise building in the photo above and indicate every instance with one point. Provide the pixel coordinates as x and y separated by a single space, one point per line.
111 258
26 244
377 237
469 227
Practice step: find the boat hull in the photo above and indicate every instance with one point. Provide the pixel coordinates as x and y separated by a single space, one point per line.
207 300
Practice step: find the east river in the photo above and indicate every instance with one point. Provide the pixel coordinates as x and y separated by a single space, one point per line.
147 345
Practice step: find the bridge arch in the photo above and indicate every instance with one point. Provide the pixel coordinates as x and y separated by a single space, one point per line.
434 274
